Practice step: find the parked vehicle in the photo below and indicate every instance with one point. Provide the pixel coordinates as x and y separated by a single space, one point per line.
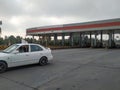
23 54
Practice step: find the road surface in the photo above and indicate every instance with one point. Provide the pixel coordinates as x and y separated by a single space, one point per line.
72 69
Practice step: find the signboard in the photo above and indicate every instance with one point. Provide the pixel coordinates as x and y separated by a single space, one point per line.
0 30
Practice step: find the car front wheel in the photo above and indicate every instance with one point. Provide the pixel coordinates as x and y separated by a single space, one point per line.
3 66
43 61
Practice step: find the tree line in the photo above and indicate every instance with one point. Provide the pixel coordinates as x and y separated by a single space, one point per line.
12 40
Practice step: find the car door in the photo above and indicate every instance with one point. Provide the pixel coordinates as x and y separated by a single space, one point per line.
36 52
22 57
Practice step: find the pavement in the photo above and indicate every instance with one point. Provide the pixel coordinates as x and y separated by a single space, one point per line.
71 69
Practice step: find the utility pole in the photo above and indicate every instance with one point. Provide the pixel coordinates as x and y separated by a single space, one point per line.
0 27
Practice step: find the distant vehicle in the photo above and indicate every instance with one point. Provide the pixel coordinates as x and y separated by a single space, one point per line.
23 54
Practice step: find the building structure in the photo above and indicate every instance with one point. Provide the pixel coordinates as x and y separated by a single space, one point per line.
83 32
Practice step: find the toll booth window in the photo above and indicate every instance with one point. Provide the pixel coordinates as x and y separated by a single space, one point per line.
24 48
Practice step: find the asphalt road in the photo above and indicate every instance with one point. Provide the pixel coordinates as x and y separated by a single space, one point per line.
72 69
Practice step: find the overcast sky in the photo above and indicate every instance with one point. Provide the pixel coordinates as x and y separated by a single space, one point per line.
17 15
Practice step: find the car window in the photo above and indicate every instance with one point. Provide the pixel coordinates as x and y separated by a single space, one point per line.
24 48
35 48
11 48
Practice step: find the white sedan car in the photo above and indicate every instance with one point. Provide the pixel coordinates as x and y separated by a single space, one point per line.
23 54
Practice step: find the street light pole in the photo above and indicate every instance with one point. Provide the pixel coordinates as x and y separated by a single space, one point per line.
0 31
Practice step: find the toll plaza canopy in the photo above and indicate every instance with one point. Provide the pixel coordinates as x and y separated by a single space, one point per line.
77 27
77 33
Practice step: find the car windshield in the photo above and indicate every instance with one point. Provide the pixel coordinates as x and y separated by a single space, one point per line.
10 49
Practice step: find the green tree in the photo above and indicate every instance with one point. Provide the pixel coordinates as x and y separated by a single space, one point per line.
18 39
12 39
1 41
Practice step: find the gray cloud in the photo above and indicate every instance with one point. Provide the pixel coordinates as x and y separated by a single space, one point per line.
17 15
79 8
10 8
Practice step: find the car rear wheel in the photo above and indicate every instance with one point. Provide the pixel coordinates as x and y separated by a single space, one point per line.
43 61
3 67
